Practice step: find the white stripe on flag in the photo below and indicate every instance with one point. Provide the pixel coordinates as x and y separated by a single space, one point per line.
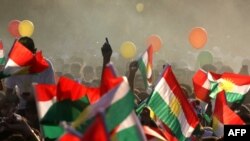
122 91
186 129
43 107
1 54
11 67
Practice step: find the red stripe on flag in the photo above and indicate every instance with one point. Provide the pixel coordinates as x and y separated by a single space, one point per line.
45 92
223 113
1 45
189 112
97 131
109 79
70 89
199 79
21 55
69 137
237 78
39 64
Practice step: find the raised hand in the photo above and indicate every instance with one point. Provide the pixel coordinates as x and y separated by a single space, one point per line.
133 66
106 51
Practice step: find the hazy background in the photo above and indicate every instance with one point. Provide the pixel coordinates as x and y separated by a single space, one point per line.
78 27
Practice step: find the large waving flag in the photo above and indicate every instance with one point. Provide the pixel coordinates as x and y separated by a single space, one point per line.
172 107
129 129
23 61
146 66
119 98
2 57
223 115
56 103
234 85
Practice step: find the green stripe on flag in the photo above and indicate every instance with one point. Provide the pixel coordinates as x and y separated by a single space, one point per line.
52 131
65 110
164 112
118 111
234 97
2 61
114 114
128 134
143 70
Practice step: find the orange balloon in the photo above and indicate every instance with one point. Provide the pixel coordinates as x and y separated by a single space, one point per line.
198 37
155 41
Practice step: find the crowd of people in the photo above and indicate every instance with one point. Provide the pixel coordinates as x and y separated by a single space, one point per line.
18 111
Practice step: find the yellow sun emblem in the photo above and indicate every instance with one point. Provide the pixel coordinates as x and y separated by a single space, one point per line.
227 85
175 106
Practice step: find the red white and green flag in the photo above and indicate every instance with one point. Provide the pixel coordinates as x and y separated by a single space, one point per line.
2 57
117 99
201 85
234 85
172 107
223 115
146 66
22 61
61 102
129 129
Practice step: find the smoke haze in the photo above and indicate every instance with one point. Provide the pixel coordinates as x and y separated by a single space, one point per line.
79 27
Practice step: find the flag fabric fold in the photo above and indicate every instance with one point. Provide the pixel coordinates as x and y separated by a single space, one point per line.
234 85
111 103
201 85
97 130
23 61
61 102
223 115
172 107
129 129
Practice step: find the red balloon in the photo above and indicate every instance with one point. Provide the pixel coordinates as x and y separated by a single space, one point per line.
198 37
13 28
155 41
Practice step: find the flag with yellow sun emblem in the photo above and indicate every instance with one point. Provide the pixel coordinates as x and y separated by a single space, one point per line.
234 85
171 106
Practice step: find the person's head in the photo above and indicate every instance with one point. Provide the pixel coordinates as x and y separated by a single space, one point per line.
88 73
28 43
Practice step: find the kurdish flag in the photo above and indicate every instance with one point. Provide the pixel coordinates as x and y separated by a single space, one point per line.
119 98
223 115
146 66
2 57
234 85
172 107
23 61
129 129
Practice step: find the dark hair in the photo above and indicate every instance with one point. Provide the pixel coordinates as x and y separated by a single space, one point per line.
28 43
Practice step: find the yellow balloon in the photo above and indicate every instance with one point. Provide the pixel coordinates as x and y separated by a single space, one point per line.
139 7
26 28
128 49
